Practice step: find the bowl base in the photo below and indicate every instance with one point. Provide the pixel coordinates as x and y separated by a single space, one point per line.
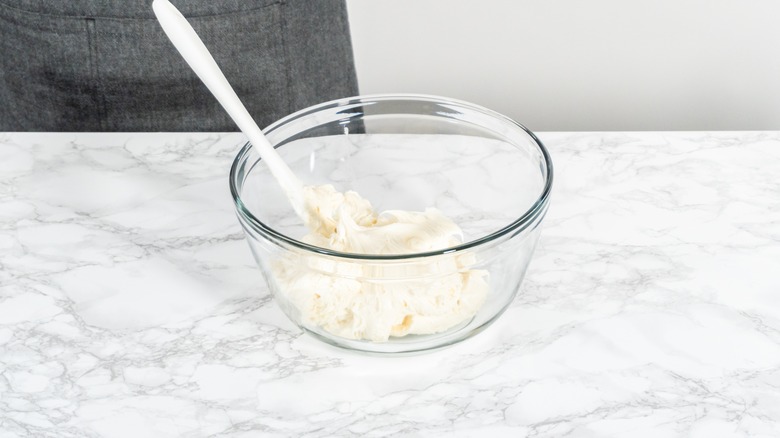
406 345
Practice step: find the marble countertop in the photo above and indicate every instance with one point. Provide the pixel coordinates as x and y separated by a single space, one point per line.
130 305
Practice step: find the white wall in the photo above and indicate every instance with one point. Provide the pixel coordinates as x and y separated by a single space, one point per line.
557 65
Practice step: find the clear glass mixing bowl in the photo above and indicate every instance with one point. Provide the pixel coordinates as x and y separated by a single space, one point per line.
487 173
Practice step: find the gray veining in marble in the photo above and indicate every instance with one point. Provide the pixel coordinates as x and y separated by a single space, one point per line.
130 305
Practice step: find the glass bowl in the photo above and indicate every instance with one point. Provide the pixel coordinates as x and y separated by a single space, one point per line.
487 173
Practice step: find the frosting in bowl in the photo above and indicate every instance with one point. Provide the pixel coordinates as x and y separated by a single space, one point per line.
365 300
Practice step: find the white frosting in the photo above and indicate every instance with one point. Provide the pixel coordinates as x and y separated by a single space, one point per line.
365 300
346 222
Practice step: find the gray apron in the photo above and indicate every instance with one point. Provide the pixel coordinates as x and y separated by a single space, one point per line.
80 65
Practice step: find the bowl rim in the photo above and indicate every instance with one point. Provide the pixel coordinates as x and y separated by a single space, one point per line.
517 225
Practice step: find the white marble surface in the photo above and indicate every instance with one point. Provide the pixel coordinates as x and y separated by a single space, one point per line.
130 305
